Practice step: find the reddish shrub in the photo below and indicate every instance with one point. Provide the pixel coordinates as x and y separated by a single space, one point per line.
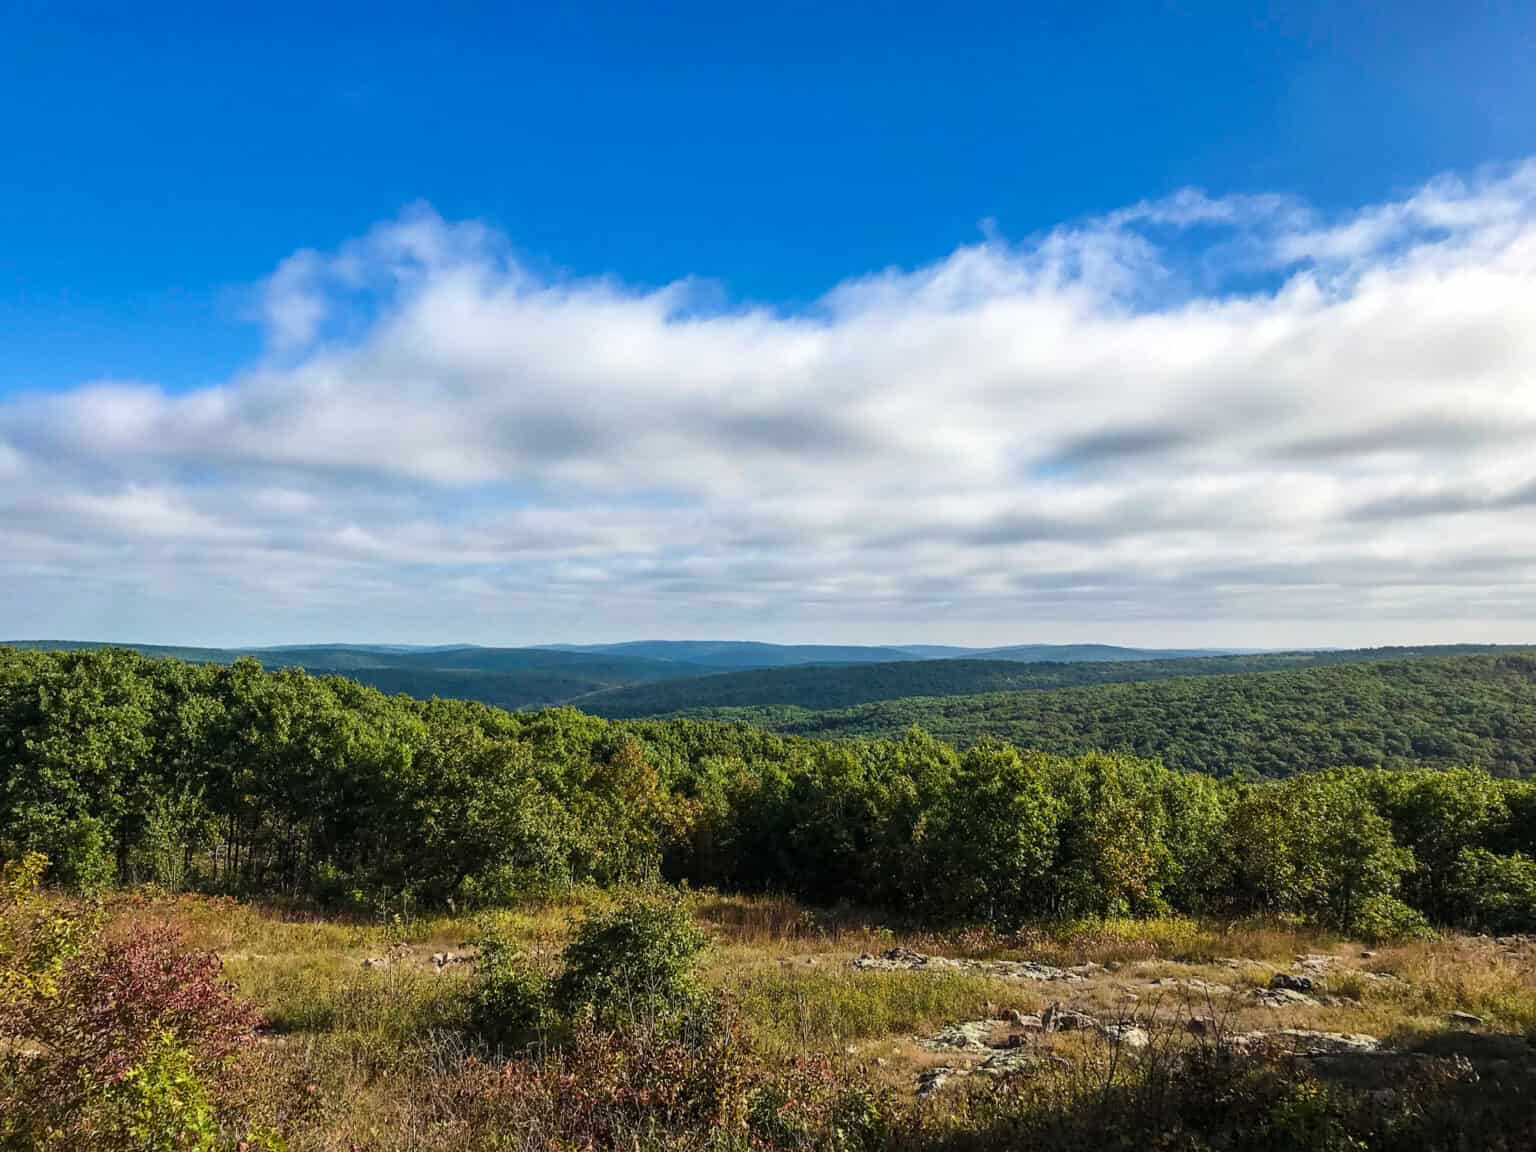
93 1023
130 991
667 1091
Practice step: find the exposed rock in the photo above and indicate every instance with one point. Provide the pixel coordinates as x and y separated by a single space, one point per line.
971 1036
1283 998
1128 1035
1017 1060
899 959
1059 1019
1285 981
1025 1021
1465 1019
1306 1042
932 1080
906 960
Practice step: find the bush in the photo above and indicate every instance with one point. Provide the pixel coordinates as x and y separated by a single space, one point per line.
682 1091
638 961
84 862
158 1105
109 1044
1495 893
1381 918
509 999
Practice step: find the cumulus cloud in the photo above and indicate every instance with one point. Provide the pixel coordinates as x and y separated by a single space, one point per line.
1087 433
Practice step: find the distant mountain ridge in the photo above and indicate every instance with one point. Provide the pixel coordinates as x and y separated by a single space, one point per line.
823 688
745 654
507 677
646 678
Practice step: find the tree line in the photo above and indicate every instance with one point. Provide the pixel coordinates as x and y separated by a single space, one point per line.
123 769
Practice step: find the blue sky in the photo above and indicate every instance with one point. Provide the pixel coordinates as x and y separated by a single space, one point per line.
165 156
680 187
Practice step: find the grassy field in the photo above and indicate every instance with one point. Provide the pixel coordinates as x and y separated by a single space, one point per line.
364 1042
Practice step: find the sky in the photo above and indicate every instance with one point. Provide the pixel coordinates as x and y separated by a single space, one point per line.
1179 324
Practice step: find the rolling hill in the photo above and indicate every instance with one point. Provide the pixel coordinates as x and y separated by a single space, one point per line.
819 687
508 677
1468 710
535 677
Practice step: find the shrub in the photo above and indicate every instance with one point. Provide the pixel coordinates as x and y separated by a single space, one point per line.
510 996
638 961
681 1091
84 862
1380 918
160 1104
1495 893
108 1044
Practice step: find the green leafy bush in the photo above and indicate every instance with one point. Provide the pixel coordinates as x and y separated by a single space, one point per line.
84 861
112 1044
158 1105
509 998
1497 893
638 961
1382 918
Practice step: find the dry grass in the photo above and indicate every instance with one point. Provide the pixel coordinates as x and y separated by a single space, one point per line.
375 1049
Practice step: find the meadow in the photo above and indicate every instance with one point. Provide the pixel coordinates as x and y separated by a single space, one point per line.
801 1028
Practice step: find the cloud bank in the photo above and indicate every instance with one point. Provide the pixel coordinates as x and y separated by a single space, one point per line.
1225 420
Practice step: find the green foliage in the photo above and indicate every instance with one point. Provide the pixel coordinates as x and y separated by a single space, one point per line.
84 861
510 997
1467 710
1381 918
158 1105
638 961
991 839
1312 846
834 684
104 1043
242 780
1497 892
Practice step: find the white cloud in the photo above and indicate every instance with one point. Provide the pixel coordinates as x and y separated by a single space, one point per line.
1078 435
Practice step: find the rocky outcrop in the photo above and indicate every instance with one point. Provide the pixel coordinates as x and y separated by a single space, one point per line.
1283 998
1059 1019
971 1036
1305 1042
1285 982
1126 1035
906 960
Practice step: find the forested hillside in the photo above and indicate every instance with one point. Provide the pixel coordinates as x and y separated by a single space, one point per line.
238 779
822 688
506 677
1478 710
